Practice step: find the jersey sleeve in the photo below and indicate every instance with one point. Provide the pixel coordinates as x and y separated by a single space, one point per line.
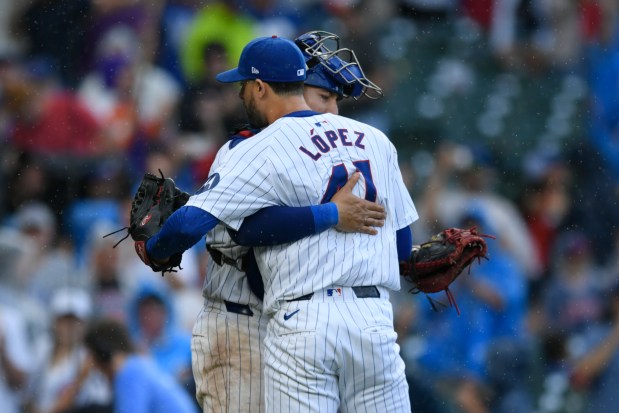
282 224
404 242
240 187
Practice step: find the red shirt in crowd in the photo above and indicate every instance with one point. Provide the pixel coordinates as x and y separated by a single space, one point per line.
65 127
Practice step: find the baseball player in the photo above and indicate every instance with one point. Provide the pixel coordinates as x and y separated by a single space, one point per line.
229 331
330 343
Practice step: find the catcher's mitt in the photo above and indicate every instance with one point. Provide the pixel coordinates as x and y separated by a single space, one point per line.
435 264
156 199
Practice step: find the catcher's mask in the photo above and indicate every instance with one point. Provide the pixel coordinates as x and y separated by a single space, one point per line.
333 68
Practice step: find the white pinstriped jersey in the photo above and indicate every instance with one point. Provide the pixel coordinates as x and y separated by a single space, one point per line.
298 161
226 282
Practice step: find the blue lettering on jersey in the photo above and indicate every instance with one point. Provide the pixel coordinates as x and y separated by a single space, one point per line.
320 143
339 177
344 137
360 136
314 156
333 138
210 183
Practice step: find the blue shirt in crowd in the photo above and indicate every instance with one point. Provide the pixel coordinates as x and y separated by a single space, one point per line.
141 387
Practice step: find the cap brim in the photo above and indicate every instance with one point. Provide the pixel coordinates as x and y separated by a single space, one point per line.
231 76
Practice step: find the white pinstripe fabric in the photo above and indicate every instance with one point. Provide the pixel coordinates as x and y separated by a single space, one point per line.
227 359
226 282
343 355
270 169
334 355
227 347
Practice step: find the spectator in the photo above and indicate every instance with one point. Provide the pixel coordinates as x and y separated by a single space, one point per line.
546 203
217 22
517 34
176 17
155 330
11 43
139 386
29 182
565 27
133 98
573 299
363 29
499 290
212 125
597 371
15 359
15 249
273 17
56 31
109 16
116 273
602 73
466 175
207 113
66 379
108 288
457 348
104 185
48 119
49 264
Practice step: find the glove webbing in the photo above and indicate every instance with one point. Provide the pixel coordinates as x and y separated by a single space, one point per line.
450 297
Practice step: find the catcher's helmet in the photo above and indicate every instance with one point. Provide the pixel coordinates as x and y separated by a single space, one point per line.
319 76
333 68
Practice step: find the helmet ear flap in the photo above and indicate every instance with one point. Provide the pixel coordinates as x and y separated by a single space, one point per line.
319 76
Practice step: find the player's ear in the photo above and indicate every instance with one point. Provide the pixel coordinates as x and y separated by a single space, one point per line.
260 87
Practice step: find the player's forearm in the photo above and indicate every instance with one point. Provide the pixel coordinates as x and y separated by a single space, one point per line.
280 224
181 231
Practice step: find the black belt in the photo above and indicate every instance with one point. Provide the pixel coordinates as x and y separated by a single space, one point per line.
237 308
364 291
221 259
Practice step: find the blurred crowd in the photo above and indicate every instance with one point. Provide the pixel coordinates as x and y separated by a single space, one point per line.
93 93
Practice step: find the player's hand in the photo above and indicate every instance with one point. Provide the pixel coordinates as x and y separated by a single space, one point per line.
357 214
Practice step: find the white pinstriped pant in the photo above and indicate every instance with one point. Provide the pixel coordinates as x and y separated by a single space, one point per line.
227 359
334 353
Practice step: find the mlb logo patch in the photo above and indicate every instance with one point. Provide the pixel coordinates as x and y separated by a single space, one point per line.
331 292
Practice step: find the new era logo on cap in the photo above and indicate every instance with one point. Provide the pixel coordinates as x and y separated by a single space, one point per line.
271 59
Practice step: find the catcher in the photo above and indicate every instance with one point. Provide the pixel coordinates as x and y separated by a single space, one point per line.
437 263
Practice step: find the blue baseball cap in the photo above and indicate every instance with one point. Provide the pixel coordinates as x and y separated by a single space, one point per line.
271 59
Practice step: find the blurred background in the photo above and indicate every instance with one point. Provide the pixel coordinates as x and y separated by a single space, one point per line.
505 114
